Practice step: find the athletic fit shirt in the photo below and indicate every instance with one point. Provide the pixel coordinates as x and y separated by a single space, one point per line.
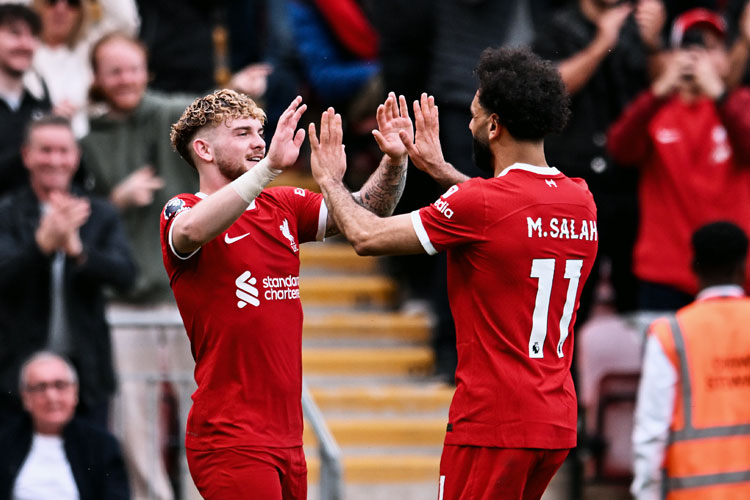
520 247
238 296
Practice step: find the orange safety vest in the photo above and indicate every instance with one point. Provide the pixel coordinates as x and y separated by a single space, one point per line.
708 453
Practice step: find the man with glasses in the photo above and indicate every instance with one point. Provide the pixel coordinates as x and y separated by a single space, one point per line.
51 453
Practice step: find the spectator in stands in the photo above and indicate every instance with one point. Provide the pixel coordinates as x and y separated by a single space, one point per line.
128 155
737 15
51 454
689 137
59 249
268 46
602 49
195 45
178 35
337 47
21 98
69 29
692 414
130 160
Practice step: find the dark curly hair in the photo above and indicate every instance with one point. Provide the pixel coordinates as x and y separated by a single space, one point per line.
525 91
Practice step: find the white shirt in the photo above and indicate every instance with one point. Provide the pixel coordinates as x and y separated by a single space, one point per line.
655 407
67 71
46 472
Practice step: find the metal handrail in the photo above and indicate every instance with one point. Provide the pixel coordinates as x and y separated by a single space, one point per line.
328 449
331 483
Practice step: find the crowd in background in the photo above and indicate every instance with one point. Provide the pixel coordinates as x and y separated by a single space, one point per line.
660 131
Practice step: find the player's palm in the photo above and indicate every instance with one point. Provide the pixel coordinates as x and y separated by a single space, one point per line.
327 157
287 140
425 151
393 118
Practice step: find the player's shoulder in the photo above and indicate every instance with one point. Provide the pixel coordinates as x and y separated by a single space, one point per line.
286 195
178 204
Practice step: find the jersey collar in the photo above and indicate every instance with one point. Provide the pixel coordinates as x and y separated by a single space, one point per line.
546 171
713 292
203 196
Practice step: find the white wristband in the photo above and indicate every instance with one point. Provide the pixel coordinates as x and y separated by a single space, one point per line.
251 183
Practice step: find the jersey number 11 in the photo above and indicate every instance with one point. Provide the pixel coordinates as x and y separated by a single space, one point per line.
544 270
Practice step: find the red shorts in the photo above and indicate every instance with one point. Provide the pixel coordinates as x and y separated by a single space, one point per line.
477 473
235 473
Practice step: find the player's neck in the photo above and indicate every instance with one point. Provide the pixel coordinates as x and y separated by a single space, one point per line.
530 153
210 180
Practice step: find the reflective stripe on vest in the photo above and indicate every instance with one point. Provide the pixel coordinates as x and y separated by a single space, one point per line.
689 433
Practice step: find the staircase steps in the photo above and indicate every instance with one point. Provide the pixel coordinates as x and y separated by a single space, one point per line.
368 368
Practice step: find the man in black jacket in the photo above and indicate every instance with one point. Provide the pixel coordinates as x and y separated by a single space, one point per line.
52 454
58 250
23 94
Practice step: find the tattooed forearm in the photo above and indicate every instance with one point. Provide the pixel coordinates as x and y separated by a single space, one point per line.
384 188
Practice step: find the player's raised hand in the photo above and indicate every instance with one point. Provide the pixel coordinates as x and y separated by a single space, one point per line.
286 141
425 151
327 157
393 118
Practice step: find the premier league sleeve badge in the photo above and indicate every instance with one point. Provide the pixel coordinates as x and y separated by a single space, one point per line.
173 207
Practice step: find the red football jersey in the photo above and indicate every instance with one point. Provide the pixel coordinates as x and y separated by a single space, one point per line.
520 247
238 296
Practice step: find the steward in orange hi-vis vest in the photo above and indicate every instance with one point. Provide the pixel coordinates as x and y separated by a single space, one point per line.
708 453
691 436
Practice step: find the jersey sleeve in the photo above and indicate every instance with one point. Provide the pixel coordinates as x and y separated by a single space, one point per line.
172 210
310 211
456 218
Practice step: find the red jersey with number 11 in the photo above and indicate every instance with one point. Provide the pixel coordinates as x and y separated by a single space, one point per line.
520 247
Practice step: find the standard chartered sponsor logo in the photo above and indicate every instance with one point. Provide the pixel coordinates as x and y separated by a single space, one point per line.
246 291
281 288
274 288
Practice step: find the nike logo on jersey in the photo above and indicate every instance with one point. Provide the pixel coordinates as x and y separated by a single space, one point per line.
551 182
229 240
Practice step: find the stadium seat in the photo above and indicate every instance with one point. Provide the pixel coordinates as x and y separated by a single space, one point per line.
608 365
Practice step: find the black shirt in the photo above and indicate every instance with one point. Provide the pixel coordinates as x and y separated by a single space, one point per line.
12 128
580 150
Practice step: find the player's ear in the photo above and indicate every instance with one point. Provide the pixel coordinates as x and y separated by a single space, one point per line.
203 149
494 127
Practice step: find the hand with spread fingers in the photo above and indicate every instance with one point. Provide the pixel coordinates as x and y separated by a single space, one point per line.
286 141
393 119
425 152
327 157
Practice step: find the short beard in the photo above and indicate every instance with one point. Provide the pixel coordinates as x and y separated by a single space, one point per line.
482 156
231 171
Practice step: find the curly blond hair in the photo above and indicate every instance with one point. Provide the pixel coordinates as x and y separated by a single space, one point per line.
222 106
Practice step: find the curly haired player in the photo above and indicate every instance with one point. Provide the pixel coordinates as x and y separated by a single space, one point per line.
232 255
